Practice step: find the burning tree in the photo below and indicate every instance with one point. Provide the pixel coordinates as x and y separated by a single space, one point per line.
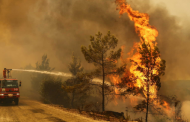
101 53
151 68
147 66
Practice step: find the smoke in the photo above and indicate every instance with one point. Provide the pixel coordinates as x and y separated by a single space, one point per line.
186 110
31 28
126 106
56 28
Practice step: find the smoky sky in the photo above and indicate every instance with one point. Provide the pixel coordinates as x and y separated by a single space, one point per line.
31 28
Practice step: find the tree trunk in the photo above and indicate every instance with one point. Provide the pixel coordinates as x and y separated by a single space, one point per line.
72 100
147 103
147 95
103 95
103 84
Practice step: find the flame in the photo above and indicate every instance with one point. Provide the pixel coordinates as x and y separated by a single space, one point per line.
115 79
166 105
147 34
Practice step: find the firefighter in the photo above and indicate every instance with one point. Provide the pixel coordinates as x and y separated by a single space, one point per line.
20 83
4 73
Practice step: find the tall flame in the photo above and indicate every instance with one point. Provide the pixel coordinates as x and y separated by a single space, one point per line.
147 34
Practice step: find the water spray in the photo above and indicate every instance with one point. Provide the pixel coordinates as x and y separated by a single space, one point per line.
46 72
95 80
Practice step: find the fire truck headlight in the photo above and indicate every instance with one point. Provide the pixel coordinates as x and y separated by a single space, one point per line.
1 94
17 94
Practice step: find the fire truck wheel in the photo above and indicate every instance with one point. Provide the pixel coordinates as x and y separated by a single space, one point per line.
16 101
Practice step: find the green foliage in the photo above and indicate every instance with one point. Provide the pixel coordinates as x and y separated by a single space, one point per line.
78 85
80 82
44 65
101 53
48 86
36 79
52 92
75 66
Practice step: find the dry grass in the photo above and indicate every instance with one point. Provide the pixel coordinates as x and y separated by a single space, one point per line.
91 114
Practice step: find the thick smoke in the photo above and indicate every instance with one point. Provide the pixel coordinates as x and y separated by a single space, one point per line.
31 28
186 110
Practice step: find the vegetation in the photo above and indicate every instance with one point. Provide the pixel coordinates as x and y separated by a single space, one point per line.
52 92
78 85
75 91
29 66
36 79
75 66
101 53
48 86
149 60
149 63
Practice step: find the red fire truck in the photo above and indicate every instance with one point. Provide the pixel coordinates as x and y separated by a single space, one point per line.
9 88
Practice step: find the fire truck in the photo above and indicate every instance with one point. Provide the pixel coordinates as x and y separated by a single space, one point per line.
9 88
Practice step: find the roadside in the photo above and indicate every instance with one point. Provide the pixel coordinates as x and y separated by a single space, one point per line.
34 111
98 116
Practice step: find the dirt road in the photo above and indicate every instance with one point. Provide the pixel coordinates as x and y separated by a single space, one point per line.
33 111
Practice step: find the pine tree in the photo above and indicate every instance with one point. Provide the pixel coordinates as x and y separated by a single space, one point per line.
101 53
36 79
75 66
78 85
149 63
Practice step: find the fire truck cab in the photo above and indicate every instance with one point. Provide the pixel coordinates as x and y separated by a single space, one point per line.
9 89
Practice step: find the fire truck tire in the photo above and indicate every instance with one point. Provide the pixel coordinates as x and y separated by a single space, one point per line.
16 101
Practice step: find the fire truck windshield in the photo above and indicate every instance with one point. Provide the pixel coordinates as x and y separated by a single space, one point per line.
9 83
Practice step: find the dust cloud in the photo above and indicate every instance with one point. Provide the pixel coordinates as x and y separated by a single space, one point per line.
31 28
